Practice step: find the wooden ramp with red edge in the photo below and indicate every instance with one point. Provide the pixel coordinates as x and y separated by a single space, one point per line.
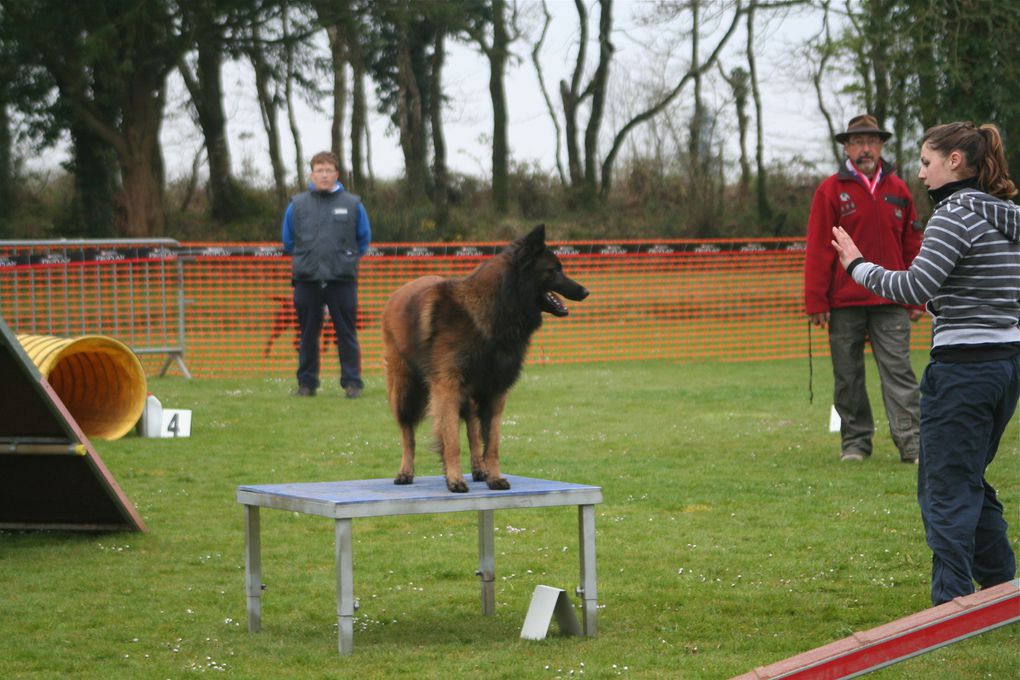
50 476
911 636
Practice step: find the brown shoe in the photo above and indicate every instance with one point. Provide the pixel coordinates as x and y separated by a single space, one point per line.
303 391
352 391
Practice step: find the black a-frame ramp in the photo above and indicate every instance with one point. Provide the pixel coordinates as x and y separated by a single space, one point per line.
50 476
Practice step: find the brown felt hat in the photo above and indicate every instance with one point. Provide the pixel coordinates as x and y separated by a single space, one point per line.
862 125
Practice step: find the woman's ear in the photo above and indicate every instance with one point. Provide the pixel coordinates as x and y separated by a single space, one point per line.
955 160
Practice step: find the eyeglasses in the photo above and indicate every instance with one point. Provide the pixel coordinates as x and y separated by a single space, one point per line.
864 141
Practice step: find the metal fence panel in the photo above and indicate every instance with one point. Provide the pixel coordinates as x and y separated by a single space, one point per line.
132 290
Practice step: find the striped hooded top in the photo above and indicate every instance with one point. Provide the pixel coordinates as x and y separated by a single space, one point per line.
967 271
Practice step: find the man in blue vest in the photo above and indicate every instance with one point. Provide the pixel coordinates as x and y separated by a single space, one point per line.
326 231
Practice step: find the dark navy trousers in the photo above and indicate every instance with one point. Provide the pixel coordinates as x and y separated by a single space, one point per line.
964 409
341 298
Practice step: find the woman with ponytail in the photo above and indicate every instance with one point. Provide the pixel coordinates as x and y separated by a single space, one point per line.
968 276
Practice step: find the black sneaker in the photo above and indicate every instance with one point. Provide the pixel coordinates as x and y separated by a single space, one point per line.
303 391
352 391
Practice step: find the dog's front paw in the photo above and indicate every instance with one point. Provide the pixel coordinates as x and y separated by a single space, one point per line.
457 485
403 479
499 484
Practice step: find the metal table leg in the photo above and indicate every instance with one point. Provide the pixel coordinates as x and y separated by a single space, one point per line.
344 586
253 567
587 590
487 561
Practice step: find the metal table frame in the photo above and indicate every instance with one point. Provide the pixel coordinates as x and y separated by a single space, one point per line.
345 501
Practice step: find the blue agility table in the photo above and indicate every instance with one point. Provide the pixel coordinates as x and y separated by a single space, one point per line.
345 501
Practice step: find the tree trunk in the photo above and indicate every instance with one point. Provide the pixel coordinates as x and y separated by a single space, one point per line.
6 164
764 209
409 116
570 95
189 189
597 87
878 56
818 51
267 106
536 50
288 89
135 140
225 202
141 162
440 198
338 52
497 92
737 80
94 167
359 118
205 86
694 143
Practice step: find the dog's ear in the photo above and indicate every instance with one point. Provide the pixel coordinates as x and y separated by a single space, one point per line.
537 235
528 247
532 244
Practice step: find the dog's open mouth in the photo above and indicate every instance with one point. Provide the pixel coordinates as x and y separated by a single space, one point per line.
552 304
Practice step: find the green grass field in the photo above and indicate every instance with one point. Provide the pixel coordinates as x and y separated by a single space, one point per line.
730 537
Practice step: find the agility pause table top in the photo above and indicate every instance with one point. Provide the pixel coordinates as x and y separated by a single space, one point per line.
347 500
379 497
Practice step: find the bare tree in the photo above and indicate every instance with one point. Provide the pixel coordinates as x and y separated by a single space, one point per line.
344 20
288 93
660 104
570 96
440 198
738 81
338 59
214 30
494 31
268 100
761 181
535 52
410 121
695 138
816 53
359 116
583 179
599 87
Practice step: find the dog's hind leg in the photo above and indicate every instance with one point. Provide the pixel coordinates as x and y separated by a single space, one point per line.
474 437
407 395
406 474
491 418
444 406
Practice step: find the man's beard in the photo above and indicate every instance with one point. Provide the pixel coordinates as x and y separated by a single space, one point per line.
865 162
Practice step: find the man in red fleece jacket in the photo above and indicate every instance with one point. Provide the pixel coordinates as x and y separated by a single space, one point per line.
874 206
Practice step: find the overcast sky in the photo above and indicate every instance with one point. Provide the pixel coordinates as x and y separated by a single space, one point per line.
793 124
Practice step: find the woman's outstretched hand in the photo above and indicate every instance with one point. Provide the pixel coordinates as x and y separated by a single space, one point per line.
845 246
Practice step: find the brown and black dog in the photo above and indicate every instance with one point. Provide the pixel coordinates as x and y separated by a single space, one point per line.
456 346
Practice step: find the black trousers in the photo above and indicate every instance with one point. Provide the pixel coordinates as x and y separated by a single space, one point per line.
964 410
341 298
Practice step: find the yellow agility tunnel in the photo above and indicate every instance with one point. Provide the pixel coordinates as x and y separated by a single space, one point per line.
99 379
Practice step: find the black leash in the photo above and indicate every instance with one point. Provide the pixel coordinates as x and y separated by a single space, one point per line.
811 366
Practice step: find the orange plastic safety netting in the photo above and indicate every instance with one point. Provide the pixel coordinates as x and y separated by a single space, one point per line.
681 300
